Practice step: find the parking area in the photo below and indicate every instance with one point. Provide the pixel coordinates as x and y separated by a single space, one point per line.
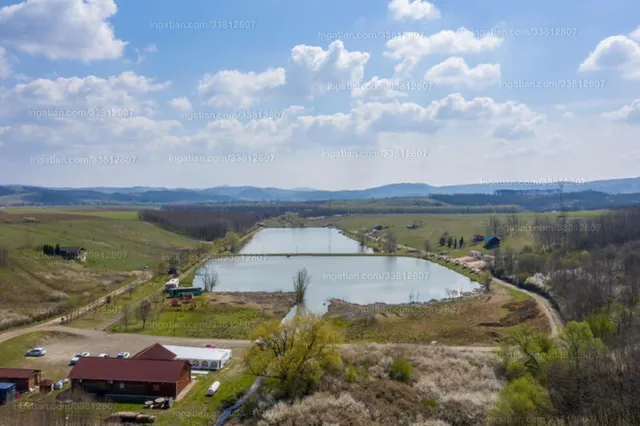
62 347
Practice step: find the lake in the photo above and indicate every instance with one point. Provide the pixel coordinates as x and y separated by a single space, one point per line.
302 240
356 279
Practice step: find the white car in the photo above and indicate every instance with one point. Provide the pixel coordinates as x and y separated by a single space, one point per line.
77 356
123 355
36 352
103 356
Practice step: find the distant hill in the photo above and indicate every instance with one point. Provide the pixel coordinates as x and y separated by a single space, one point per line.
33 195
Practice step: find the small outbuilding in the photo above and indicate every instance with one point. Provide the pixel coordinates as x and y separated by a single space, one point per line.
46 386
491 242
25 379
7 392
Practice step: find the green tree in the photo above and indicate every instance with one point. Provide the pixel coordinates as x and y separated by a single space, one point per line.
529 347
522 400
442 241
578 343
401 370
294 355
232 241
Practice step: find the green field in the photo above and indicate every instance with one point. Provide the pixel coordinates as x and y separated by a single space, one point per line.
434 225
118 247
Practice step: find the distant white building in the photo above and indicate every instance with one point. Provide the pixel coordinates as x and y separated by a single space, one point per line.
199 358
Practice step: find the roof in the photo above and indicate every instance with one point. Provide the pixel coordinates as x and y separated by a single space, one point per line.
128 370
46 382
17 373
491 237
71 249
5 386
186 352
155 351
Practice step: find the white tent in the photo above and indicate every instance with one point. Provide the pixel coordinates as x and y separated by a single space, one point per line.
201 358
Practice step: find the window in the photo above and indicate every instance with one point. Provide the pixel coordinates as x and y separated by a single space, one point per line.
195 363
205 364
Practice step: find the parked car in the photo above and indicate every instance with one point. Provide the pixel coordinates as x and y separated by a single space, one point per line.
210 346
58 385
36 352
123 355
77 356
213 388
103 356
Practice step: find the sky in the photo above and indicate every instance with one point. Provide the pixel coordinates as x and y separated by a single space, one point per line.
319 94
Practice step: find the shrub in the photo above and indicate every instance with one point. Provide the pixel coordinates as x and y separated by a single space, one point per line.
401 370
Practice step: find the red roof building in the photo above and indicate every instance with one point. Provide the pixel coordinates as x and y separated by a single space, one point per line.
132 377
155 351
24 378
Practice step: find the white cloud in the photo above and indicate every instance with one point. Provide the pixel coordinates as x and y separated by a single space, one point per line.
182 104
62 29
455 71
5 68
413 9
234 89
3 129
410 48
628 113
619 53
635 34
311 71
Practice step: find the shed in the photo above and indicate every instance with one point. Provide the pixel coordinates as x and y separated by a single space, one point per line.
7 392
46 386
491 242
24 378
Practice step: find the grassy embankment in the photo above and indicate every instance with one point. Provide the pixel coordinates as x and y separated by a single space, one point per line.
434 225
118 246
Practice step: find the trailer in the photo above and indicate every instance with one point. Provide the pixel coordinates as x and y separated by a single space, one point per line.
184 291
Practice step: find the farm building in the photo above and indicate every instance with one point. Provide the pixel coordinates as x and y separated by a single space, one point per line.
491 242
25 379
69 253
199 358
131 377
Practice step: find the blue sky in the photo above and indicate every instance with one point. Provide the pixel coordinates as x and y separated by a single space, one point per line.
281 104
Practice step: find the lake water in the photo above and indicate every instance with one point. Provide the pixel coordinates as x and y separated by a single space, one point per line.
356 279
302 240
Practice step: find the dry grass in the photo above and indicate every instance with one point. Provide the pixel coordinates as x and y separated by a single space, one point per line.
449 387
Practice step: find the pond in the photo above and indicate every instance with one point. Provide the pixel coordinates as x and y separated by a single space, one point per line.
356 279
302 240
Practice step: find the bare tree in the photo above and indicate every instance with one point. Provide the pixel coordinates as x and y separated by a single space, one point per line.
144 311
125 317
300 283
390 243
210 280
427 246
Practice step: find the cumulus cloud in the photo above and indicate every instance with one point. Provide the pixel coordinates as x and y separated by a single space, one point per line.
234 89
627 114
311 71
410 48
147 49
182 104
62 29
5 68
455 71
618 53
413 10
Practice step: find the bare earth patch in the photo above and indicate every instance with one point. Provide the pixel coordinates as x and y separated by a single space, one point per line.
278 303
